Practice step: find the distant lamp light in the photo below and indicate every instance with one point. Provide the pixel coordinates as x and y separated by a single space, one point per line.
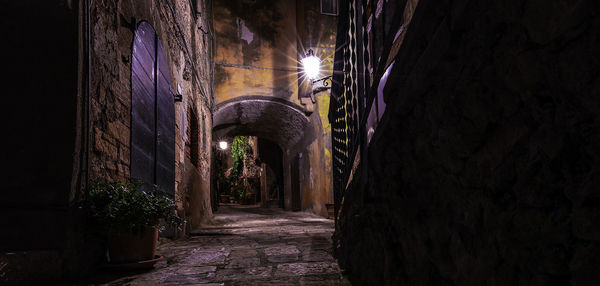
222 145
311 65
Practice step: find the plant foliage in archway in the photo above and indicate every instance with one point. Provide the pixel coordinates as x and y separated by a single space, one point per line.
239 149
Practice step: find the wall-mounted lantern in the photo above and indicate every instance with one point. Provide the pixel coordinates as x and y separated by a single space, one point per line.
326 81
223 145
312 67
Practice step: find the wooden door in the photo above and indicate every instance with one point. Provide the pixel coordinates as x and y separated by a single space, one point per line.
152 113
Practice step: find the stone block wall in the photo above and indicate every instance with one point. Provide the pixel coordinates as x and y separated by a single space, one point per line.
484 170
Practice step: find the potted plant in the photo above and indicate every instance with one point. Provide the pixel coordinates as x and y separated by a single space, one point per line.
130 219
224 198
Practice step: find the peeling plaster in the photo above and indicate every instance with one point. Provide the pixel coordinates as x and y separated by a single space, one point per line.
243 32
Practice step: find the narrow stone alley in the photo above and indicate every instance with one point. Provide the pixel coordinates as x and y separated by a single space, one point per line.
456 142
246 245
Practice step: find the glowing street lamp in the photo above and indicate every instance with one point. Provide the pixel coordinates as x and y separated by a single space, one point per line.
311 65
223 145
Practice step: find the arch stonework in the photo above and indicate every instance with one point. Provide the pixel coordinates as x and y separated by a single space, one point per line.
271 118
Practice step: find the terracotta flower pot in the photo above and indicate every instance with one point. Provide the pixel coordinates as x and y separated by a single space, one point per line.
129 247
330 210
224 199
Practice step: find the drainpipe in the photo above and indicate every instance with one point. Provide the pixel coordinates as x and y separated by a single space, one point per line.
88 92
212 56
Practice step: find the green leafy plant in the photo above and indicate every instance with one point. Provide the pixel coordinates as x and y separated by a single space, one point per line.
238 153
239 149
120 208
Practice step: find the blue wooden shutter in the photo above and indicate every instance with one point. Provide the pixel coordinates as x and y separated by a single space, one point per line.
165 152
143 100
152 113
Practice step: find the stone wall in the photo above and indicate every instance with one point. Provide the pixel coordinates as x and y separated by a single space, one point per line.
315 182
186 38
484 170
317 32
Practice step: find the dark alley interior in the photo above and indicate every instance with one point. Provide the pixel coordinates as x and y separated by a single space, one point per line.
300 142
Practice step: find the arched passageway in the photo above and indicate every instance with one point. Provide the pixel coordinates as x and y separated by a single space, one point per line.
279 125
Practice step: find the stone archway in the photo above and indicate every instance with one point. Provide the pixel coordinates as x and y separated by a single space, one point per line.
277 120
273 119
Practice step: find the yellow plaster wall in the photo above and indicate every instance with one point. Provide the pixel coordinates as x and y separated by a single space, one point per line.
271 69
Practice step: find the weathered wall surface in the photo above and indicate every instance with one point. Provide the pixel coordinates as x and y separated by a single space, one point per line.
485 168
317 32
315 163
256 49
188 52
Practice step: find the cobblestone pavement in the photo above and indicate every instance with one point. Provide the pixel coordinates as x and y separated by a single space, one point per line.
248 246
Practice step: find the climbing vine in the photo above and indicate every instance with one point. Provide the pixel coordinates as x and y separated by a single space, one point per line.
239 154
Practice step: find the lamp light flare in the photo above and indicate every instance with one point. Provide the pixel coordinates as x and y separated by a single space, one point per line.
223 145
311 65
